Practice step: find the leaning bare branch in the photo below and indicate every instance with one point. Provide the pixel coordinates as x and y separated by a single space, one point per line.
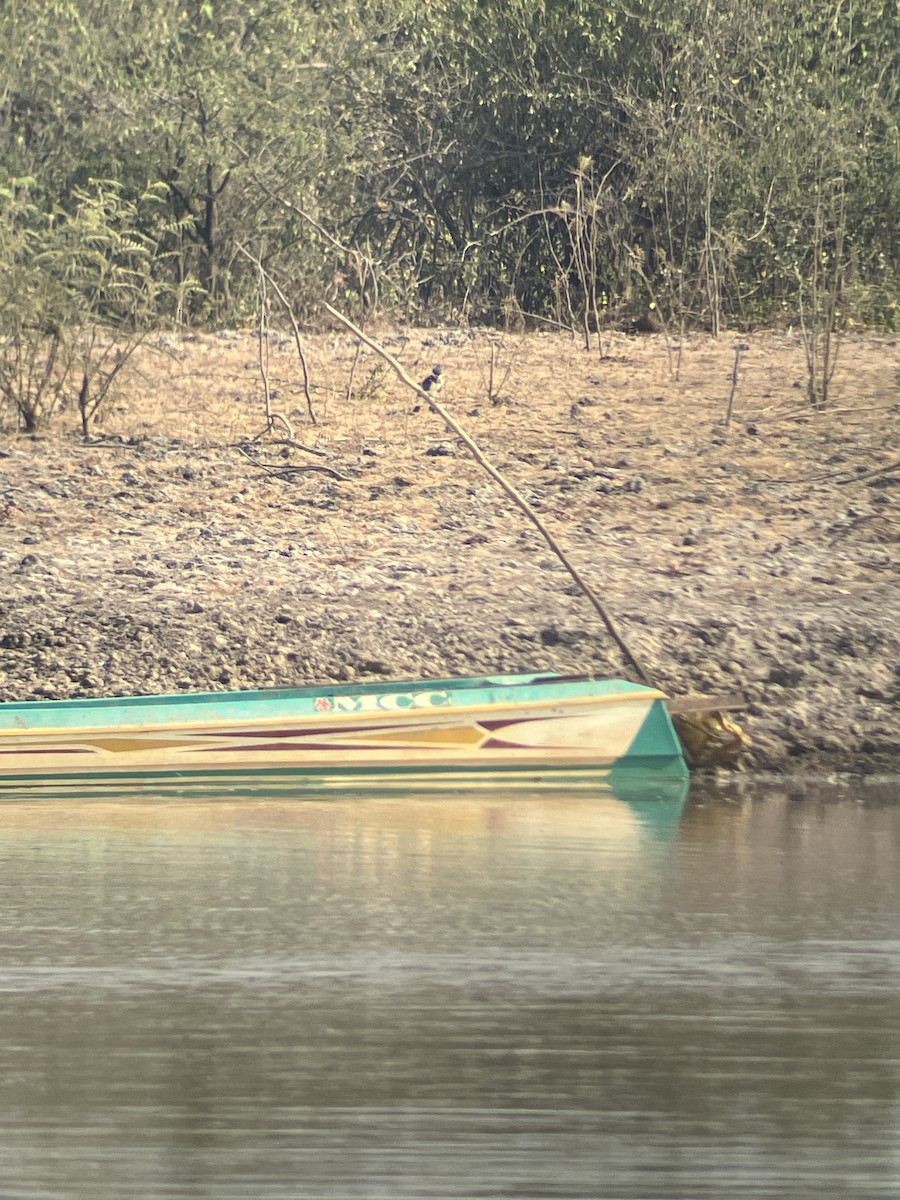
517 498
364 266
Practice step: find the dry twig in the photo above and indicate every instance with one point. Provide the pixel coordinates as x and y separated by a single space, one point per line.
298 341
288 471
853 475
734 383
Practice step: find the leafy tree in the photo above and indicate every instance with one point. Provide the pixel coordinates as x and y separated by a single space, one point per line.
435 150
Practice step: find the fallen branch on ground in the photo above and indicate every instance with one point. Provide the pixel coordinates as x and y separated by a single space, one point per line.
287 471
852 475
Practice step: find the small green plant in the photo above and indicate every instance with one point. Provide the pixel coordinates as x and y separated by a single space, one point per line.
79 290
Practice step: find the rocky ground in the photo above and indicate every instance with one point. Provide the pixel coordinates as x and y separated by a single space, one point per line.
177 552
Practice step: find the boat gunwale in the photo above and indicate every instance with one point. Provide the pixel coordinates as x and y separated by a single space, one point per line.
318 718
310 691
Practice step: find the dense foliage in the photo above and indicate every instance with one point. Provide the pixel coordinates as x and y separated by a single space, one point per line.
578 160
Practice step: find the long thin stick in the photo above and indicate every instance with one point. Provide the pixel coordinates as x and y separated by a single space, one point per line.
517 498
832 412
298 341
734 385
848 471
262 321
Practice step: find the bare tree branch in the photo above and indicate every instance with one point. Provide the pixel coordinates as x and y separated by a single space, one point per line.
517 498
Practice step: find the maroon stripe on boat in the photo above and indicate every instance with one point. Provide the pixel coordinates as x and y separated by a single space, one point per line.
292 733
489 725
500 744
43 750
343 747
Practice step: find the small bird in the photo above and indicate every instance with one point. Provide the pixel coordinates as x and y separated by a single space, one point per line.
434 382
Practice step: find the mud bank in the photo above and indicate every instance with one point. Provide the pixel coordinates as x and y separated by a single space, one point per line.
175 553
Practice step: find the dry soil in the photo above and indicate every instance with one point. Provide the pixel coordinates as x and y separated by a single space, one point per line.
187 548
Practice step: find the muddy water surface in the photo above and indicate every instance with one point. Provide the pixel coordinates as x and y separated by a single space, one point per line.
539 996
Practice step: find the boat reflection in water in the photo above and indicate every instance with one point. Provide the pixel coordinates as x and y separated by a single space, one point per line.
632 810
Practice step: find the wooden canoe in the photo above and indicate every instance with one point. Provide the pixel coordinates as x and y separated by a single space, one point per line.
482 732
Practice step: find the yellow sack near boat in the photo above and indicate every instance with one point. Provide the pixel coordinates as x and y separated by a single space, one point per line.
710 739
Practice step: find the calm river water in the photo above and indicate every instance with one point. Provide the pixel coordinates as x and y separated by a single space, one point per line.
542 996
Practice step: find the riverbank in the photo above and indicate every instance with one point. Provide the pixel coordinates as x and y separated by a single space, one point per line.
175 552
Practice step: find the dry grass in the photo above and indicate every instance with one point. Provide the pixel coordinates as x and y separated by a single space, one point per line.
556 410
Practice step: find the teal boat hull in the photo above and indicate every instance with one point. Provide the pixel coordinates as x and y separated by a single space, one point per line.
491 731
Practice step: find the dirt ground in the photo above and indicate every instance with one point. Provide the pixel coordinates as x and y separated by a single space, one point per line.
186 548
